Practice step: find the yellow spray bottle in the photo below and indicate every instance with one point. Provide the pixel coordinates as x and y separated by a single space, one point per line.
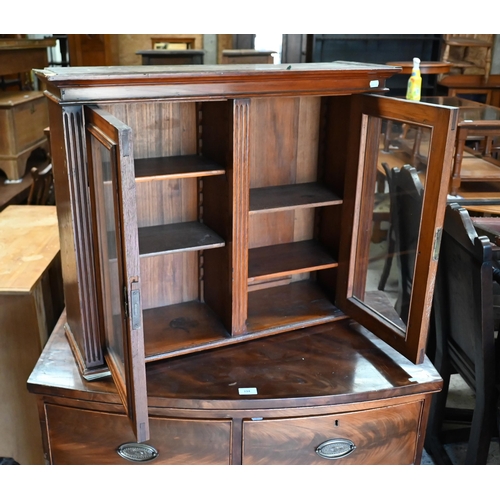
414 82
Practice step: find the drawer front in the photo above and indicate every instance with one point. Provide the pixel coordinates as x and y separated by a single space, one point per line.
22 126
380 436
83 437
29 121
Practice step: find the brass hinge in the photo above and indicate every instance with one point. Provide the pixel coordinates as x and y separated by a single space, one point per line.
133 310
437 243
136 309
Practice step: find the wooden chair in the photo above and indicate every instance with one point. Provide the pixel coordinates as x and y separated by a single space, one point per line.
406 194
391 241
469 53
42 187
407 202
463 331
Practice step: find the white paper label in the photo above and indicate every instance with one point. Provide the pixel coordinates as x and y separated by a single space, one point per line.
247 391
374 83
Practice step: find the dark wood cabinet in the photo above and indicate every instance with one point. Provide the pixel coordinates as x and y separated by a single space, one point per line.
206 212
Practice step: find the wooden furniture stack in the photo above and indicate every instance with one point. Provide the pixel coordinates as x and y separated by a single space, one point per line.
31 301
469 77
23 118
23 113
215 231
469 54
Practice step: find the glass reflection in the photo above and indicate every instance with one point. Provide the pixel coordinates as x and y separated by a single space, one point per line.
109 262
388 241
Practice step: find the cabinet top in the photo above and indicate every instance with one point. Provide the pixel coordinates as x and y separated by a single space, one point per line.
90 73
336 363
181 81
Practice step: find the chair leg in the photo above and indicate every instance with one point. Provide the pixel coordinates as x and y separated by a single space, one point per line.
481 431
388 261
433 442
498 414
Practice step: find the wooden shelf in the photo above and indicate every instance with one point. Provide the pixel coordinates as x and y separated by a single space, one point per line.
182 327
180 237
189 327
147 169
288 307
275 198
479 169
290 258
468 42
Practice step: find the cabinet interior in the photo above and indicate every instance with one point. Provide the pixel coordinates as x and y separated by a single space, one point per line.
189 202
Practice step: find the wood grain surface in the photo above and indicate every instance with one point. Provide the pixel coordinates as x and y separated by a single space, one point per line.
29 241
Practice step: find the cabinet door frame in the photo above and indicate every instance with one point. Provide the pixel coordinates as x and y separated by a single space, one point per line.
363 150
129 373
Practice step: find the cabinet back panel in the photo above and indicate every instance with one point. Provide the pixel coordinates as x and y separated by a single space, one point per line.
335 128
274 228
217 131
159 128
284 145
166 201
169 279
308 139
329 223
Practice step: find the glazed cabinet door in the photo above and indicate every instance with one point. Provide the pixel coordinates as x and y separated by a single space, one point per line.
397 179
112 188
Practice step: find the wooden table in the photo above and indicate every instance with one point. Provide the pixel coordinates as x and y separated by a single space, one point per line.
14 192
488 226
481 198
161 56
30 304
475 120
247 56
426 67
474 87
432 68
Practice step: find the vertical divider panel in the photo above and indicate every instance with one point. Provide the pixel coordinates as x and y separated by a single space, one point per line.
83 326
241 204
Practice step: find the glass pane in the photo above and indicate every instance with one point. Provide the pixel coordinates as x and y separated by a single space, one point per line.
388 240
102 162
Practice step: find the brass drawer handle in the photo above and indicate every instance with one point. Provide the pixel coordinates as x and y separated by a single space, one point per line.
137 452
334 449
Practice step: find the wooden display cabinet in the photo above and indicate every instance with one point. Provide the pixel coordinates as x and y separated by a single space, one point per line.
206 212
